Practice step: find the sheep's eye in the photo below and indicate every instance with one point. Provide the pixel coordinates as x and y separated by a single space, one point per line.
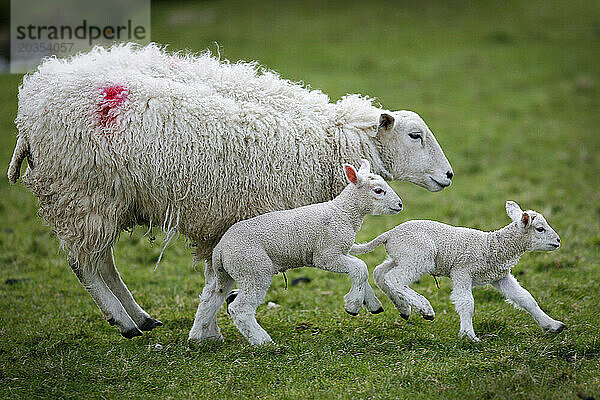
415 135
378 191
540 229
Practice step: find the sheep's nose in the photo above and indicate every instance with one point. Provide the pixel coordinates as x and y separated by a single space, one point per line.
400 205
449 174
558 240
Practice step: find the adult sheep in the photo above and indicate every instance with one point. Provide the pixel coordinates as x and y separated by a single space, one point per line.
136 135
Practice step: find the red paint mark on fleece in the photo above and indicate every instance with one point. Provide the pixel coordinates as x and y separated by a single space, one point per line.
112 98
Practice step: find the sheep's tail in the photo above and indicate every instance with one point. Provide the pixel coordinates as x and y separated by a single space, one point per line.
20 153
370 246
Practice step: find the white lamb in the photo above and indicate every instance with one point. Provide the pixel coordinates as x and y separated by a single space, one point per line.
317 235
469 257
190 144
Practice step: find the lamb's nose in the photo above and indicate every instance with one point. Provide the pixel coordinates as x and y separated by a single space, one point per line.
449 174
558 240
400 205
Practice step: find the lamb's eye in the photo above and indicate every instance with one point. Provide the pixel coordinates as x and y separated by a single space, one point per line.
540 229
379 191
415 135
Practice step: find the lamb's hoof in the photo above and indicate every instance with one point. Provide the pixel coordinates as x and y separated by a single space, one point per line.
354 314
429 317
559 328
131 333
111 321
149 324
379 310
230 298
405 316
203 339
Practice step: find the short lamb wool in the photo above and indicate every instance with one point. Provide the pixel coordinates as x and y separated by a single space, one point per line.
318 235
469 257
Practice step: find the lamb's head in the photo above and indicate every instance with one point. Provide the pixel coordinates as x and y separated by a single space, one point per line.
410 152
537 233
374 194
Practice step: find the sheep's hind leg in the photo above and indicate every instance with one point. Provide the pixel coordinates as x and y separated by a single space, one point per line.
521 298
379 276
217 285
398 280
107 302
462 297
113 280
361 292
243 312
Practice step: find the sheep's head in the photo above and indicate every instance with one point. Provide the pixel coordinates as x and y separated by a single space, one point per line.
539 235
410 152
378 196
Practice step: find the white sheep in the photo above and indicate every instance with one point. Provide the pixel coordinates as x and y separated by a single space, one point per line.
190 144
320 235
468 256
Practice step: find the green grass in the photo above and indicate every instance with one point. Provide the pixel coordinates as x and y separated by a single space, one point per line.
512 92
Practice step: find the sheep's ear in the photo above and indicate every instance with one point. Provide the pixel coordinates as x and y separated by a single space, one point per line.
351 174
525 220
513 210
365 167
386 123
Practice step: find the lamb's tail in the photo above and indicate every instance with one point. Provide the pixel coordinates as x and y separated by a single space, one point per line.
21 151
370 246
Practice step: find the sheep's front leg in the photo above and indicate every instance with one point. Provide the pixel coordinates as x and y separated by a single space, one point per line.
106 301
462 297
521 298
361 292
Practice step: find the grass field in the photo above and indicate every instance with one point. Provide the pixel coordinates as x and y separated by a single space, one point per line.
512 92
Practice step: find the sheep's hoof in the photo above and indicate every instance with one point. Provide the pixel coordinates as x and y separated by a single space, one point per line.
352 313
149 324
111 321
203 339
405 316
561 327
379 310
133 332
429 317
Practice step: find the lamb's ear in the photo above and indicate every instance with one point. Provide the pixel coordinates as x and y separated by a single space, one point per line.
365 167
513 210
351 174
525 220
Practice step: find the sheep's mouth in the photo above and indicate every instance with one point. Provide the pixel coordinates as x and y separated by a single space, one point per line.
554 245
441 185
395 209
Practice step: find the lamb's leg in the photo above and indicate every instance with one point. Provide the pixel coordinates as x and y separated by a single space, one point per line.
113 280
379 277
361 292
398 279
217 285
521 298
243 312
462 297
107 302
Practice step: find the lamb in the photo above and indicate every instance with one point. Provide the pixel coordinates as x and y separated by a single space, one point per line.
320 235
467 256
190 144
